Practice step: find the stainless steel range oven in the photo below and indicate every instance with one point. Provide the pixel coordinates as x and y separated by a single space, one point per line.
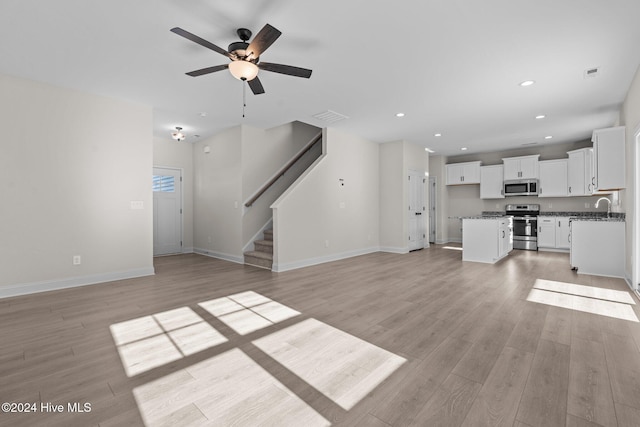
525 226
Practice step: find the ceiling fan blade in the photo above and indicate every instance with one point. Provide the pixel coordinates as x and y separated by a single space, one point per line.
285 69
256 86
202 42
207 70
263 40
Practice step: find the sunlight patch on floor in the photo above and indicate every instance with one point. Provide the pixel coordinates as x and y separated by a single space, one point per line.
342 367
453 248
584 291
248 312
584 304
228 389
152 341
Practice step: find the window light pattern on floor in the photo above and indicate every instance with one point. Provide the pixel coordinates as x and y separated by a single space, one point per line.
229 389
568 295
248 312
152 341
340 366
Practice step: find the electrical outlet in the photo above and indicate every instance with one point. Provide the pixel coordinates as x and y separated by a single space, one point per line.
326 243
137 204
77 260
586 205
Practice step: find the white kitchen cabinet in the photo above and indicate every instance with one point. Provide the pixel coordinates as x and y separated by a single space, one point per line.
580 172
463 173
523 167
597 247
563 233
553 178
491 182
553 232
486 239
546 231
609 158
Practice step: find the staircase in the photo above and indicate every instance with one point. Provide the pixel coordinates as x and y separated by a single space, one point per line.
262 255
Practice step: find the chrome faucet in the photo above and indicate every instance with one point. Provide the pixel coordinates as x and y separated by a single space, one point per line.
608 206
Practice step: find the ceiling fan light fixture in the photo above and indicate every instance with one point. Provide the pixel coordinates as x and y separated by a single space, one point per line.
243 70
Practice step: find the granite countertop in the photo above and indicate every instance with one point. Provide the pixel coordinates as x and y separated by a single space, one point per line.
598 218
588 216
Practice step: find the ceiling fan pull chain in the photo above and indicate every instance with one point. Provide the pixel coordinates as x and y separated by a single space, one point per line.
244 95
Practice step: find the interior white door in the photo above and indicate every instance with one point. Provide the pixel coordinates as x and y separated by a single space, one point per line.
167 211
432 209
416 210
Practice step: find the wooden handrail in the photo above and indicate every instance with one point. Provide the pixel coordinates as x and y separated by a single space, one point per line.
283 170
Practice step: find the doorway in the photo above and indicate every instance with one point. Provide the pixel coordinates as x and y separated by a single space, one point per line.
416 210
167 211
432 209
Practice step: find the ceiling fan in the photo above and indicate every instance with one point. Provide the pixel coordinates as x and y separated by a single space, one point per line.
245 57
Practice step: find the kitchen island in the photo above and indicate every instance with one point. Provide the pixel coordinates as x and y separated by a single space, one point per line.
598 245
486 239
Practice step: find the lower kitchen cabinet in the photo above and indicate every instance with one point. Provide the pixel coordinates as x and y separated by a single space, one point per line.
486 240
597 247
554 233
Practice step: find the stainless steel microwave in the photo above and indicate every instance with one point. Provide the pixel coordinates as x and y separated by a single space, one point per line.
521 187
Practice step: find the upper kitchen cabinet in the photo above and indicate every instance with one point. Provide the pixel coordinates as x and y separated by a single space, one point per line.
463 173
524 167
608 152
581 178
553 178
491 182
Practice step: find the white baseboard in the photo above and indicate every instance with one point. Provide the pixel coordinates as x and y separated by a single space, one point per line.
565 251
220 255
441 242
187 250
394 250
321 260
72 282
454 240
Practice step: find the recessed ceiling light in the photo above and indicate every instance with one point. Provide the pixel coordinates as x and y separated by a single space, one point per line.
437 134
429 150
541 116
203 114
463 149
548 137
399 114
527 83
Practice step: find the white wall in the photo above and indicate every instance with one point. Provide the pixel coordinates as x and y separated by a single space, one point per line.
630 117
170 153
392 198
319 219
71 165
217 196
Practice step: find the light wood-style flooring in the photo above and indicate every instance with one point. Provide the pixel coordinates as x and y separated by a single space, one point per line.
377 340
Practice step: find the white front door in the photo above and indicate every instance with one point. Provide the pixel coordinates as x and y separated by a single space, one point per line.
167 211
417 210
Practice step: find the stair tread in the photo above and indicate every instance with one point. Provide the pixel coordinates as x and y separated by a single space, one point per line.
264 242
259 254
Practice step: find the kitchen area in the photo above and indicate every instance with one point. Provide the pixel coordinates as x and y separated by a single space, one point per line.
565 200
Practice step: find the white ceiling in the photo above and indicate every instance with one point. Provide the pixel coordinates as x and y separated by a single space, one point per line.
452 66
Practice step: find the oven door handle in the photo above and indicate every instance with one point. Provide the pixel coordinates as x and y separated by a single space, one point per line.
525 218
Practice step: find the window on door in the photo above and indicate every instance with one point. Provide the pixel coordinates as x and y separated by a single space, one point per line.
164 183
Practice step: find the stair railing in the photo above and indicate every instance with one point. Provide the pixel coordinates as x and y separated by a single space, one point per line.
283 170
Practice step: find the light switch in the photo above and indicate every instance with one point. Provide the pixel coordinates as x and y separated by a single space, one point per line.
137 204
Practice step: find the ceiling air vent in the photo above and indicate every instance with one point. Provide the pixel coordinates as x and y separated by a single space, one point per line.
330 116
591 72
